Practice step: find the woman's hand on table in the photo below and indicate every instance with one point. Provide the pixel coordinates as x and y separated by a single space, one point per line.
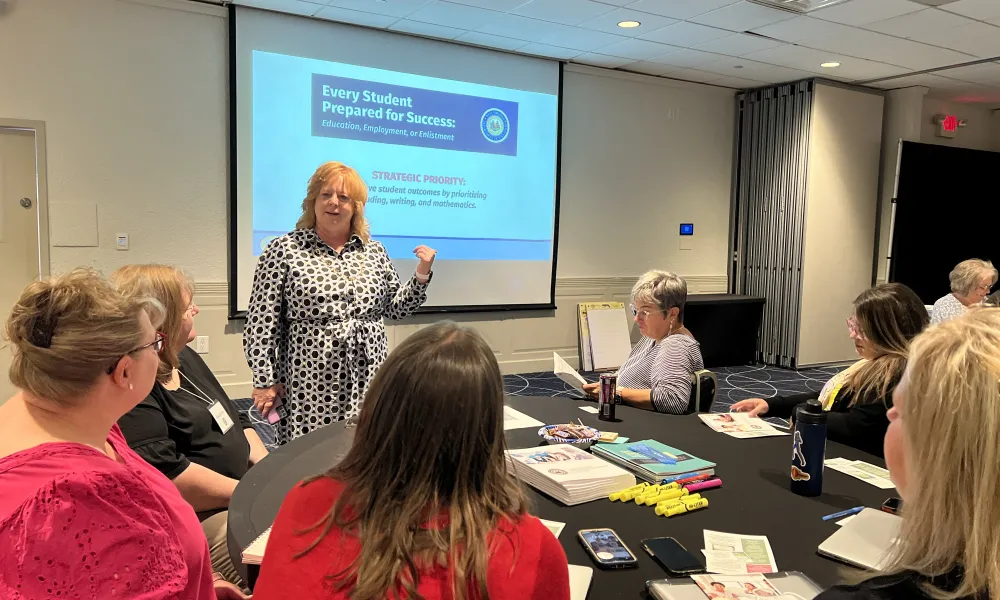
426 256
755 406
591 389
263 398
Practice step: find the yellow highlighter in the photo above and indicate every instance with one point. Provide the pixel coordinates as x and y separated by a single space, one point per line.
650 490
681 500
620 495
695 505
667 495
669 510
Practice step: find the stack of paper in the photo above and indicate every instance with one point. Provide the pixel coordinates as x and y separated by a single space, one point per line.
515 419
254 553
654 461
740 425
567 473
735 554
859 469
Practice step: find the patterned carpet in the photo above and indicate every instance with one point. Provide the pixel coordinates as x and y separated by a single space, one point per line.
735 384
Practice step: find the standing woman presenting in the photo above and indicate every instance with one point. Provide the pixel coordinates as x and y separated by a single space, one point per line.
314 335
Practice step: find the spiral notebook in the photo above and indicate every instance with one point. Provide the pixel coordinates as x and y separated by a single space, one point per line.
254 553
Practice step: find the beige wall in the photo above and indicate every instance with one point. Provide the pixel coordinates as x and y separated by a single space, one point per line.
979 134
134 96
841 201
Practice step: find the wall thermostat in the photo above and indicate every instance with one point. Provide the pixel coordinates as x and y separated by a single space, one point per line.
687 228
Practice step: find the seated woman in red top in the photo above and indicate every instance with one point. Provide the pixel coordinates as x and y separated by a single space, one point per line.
423 503
81 515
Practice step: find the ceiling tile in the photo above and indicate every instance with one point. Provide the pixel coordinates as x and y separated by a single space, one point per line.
975 9
426 29
396 8
490 41
926 79
797 29
739 83
860 12
879 47
685 34
548 51
986 74
521 28
687 58
452 15
738 44
638 49
742 16
601 60
295 7
693 75
808 59
497 5
608 22
567 12
679 9
908 25
583 40
750 69
978 39
646 67
357 17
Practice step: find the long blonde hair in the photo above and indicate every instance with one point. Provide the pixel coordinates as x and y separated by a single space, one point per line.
354 187
167 285
952 424
890 316
69 330
429 444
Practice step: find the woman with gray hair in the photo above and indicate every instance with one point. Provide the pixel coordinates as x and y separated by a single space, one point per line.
657 374
971 282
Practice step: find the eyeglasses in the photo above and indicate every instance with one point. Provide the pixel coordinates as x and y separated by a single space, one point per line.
855 329
642 314
156 345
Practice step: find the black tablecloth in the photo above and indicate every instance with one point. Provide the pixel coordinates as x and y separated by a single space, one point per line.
754 498
726 326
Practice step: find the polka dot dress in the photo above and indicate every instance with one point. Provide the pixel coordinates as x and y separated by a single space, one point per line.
315 324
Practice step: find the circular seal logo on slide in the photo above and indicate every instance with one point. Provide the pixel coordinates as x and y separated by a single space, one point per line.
495 125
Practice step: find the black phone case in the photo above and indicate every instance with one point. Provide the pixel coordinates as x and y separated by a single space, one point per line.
666 568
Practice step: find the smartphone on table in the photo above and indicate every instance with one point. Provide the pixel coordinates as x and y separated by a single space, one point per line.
607 549
672 556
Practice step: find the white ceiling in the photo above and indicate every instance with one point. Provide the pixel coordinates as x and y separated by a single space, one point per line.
731 43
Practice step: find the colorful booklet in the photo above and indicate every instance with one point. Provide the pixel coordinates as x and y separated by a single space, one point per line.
654 461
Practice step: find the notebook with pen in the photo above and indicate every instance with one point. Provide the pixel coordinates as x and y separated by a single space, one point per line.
654 461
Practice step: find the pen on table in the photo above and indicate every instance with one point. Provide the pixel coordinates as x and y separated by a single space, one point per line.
844 513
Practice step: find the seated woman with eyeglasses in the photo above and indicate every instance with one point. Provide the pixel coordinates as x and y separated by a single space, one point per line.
657 374
971 281
81 515
886 319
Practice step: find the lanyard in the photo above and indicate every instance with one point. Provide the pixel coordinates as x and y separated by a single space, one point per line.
203 397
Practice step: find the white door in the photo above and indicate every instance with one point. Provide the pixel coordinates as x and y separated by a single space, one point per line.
18 230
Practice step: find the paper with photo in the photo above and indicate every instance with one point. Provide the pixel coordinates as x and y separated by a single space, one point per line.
515 419
729 587
862 470
740 425
554 526
737 554
568 374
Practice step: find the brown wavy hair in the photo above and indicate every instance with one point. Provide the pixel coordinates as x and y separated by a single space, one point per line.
168 285
890 316
354 187
429 445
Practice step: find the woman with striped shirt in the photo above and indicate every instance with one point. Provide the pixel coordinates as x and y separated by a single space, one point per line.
657 374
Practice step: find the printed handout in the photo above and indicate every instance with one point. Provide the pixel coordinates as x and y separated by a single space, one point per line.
554 526
515 419
734 554
740 425
859 469
739 587
568 374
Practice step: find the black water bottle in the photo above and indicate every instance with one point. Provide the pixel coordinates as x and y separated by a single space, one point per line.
808 449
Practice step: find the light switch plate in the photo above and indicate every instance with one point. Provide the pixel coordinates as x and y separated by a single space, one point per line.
121 241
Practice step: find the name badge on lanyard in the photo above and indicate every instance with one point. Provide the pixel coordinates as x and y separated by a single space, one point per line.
222 418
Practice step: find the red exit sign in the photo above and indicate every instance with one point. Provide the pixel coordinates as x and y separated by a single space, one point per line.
948 125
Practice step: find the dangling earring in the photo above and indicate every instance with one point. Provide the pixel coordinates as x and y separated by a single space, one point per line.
130 386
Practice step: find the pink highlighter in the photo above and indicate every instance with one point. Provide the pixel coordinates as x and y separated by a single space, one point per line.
704 485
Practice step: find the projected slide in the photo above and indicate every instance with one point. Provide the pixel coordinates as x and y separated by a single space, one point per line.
466 168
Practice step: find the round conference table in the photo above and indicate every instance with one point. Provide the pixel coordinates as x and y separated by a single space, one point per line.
753 500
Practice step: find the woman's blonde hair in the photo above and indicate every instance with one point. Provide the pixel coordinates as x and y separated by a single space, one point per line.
426 481
966 275
890 316
69 330
354 188
952 424
168 285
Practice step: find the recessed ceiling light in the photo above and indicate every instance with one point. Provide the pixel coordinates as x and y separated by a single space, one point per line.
830 65
629 24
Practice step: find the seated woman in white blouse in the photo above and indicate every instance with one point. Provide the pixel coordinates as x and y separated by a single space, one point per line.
657 374
971 281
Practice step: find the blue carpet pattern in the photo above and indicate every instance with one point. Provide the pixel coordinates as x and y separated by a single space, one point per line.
735 384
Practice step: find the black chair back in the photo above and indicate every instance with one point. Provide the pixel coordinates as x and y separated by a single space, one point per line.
704 384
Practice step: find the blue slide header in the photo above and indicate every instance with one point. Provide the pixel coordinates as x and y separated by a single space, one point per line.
392 114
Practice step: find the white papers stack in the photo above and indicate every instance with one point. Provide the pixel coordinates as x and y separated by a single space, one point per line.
740 425
735 554
515 419
859 469
567 473
254 553
567 374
